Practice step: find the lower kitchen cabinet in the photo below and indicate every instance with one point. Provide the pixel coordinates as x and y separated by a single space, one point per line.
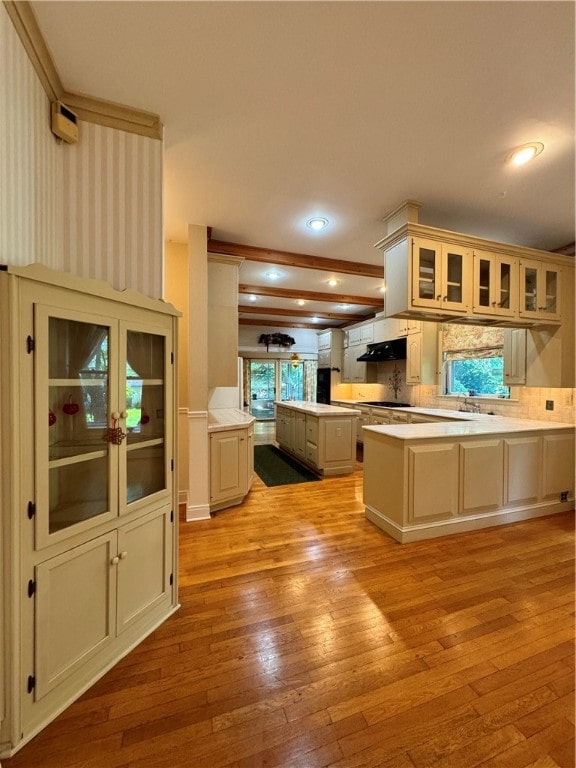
231 465
420 487
330 435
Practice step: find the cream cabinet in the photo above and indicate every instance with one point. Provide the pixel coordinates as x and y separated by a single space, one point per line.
88 443
330 437
441 277
540 290
231 465
330 349
355 371
495 284
514 356
422 484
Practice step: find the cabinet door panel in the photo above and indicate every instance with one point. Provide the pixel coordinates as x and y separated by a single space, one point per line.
338 440
433 482
228 466
143 578
75 376
558 466
523 460
75 601
426 273
145 411
481 478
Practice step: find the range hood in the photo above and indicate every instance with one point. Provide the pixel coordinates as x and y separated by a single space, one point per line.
395 349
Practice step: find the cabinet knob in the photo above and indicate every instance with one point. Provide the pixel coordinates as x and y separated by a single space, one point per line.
116 415
115 560
123 414
123 555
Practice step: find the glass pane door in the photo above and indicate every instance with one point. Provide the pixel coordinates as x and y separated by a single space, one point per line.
70 422
454 278
426 270
262 388
144 416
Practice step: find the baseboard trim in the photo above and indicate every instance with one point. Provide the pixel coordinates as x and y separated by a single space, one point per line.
407 534
197 512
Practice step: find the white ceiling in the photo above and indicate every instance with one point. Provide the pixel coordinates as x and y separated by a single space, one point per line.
276 111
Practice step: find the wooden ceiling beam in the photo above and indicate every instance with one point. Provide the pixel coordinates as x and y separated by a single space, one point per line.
279 324
285 293
289 259
254 310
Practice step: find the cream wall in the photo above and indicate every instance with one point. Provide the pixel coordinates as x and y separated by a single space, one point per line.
93 208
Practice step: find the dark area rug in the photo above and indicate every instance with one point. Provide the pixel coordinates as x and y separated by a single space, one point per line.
276 468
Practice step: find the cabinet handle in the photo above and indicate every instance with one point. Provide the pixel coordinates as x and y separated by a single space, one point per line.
123 555
493 303
115 560
438 297
445 298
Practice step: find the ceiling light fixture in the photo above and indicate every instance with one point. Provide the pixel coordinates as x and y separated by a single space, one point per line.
300 302
317 223
252 297
273 275
526 152
332 282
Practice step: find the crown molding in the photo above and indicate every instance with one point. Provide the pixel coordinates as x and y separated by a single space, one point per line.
87 108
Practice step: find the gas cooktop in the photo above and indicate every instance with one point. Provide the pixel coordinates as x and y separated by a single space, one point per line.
384 403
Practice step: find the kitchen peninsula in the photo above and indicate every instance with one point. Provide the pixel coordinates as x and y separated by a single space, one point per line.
423 480
321 436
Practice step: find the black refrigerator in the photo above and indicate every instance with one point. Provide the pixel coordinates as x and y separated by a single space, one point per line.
323 385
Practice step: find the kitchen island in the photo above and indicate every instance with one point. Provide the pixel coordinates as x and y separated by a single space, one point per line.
423 480
323 437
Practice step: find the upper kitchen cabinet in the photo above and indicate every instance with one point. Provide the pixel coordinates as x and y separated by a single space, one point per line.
330 349
446 276
441 276
495 284
540 290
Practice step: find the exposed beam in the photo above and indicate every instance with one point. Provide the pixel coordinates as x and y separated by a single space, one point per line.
285 293
280 324
289 259
254 310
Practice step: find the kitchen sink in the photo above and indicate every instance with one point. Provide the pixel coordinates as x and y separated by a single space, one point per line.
384 403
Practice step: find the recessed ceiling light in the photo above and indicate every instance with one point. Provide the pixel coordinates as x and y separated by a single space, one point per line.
317 223
526 152
273 274
314 319
252 298
332 282
344 306
382 289
300 302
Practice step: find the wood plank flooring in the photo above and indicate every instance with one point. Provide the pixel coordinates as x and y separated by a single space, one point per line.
307 638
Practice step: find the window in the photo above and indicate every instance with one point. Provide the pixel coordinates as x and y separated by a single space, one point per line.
473 361
475 376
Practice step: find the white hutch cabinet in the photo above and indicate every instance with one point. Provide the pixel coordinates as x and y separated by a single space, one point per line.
88 533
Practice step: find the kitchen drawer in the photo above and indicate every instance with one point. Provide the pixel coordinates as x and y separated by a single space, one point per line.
312 429
312 453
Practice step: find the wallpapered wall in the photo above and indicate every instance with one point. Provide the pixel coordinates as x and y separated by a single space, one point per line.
93 208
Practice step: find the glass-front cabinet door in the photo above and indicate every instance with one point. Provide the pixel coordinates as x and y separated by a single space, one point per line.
495 284
539 290
100 420
441 276
426 277
144 470
76 476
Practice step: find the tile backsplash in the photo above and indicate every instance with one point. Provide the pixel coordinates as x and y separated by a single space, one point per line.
526 402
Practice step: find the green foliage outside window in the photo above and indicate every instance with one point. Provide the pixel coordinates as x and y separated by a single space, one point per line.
476 376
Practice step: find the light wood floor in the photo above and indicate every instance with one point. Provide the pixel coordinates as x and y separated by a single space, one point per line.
308 638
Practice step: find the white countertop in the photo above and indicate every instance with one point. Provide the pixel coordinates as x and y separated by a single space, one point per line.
480 424
317 409
221 419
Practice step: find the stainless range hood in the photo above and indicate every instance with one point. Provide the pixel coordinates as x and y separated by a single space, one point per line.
395 349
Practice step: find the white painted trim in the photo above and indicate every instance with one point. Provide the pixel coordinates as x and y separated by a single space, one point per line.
197 512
